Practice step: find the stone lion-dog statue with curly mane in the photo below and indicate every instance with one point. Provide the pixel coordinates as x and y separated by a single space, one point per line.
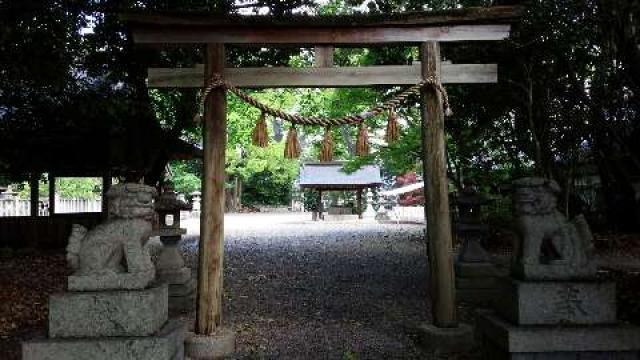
113 254
549 246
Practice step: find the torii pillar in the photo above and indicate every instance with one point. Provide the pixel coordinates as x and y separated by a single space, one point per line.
210 339
481 24
445 334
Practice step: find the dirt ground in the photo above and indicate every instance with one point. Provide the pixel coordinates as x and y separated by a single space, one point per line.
295 289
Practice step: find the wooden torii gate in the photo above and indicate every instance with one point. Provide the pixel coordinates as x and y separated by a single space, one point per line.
425 30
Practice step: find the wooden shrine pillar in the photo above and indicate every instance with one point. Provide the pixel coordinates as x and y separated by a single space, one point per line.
106 185
323 56
359 203
238 193
34 194
52 195
209 302
320 206
439 244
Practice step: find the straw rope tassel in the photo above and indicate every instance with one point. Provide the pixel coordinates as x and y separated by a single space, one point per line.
326 153
292 146
260 135
362 145
393 130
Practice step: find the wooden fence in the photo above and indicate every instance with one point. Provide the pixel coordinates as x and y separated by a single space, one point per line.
14 206
69 206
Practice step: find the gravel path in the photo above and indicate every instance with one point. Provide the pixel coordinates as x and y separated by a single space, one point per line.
297 289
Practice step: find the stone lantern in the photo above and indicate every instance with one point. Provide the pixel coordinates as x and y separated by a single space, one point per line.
170 266
369 212
196 199
476 275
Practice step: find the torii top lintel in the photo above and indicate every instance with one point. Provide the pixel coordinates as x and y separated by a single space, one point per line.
470 24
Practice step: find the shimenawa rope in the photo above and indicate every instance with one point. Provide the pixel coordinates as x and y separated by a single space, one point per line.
217 81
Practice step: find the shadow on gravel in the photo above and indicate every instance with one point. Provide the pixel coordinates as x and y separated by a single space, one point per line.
324 291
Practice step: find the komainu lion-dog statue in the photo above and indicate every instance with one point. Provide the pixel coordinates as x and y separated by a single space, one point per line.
549 247
113 254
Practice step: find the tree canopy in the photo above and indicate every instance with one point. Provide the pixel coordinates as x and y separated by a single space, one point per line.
565 106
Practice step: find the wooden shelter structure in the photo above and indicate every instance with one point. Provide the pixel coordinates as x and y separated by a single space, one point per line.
330 176
75 151
424 30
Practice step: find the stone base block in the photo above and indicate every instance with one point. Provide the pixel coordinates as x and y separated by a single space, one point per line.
185 289
471 250
167 344
446 340
108 313
501 340
111 281
477 296
182 304
558 270
558 302
182 296
473 270
217 346
177 276
477 283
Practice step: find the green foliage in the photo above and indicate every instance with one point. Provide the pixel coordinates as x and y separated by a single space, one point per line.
83 188
67 188
186 176
567 96
311 199
350 355
266 175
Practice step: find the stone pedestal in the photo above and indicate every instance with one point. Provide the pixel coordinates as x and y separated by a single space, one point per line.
558 302
446 340
111 281
557 320
220 345
553 307
109 325
476 282
504 340
171 269
108 313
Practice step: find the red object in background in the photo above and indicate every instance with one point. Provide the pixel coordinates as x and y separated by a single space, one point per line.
406 179
412 198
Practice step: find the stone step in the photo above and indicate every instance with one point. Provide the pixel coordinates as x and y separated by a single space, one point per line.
108 313
167 344
503 340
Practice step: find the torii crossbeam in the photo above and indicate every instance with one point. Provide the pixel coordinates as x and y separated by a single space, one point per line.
425 30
